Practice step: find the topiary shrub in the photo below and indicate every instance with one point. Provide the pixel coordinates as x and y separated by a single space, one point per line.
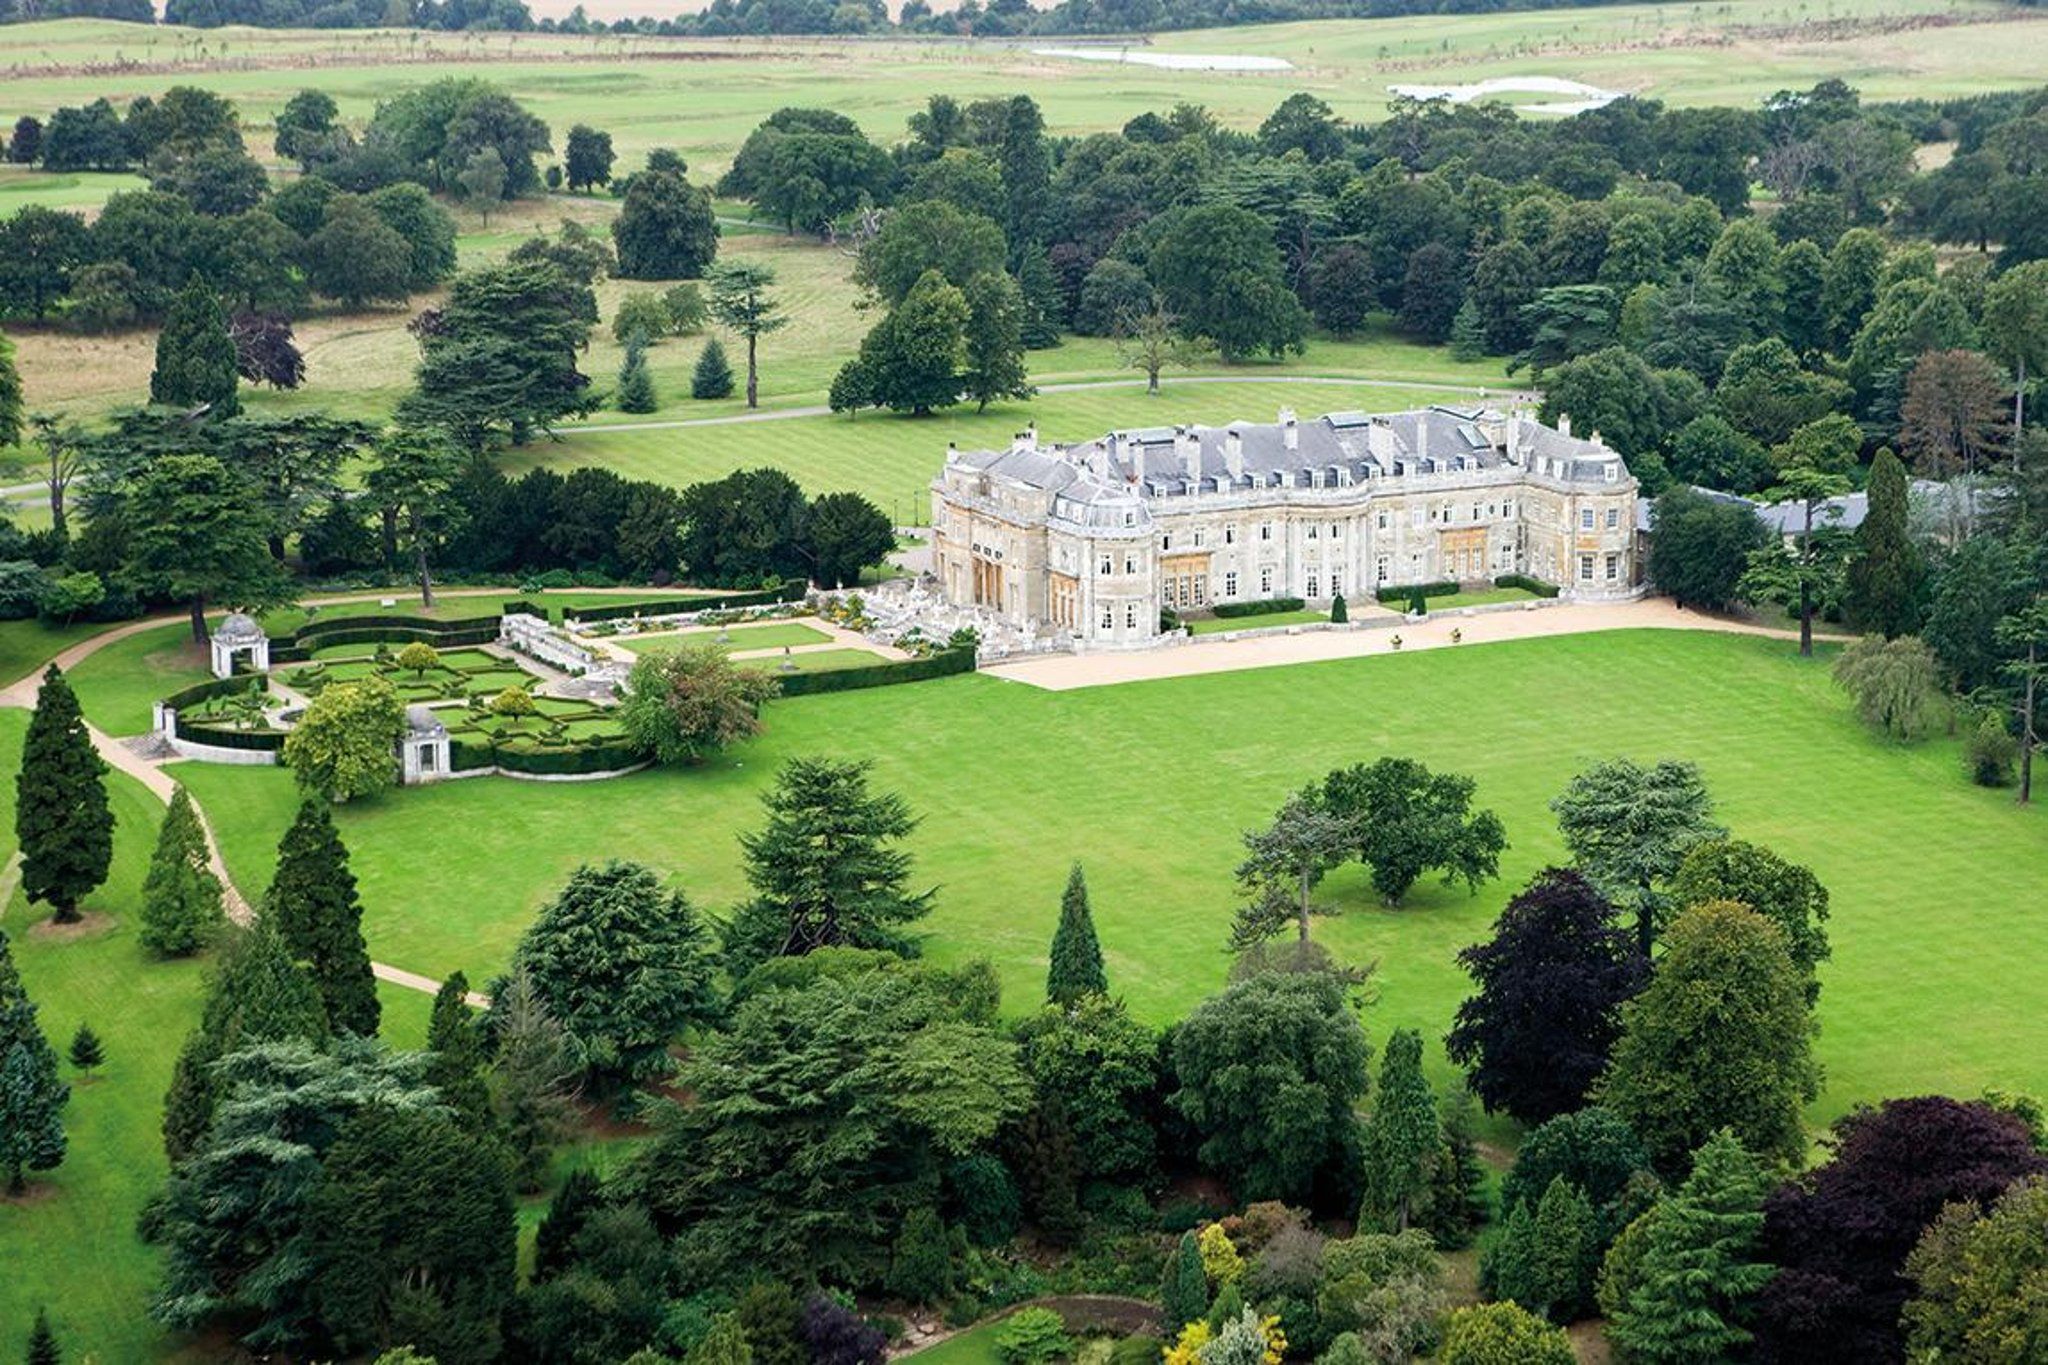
1339 612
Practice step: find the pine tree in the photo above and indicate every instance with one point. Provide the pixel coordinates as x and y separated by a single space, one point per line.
31 1095
258 995
532 1077
554 1241
1457 1198
1403 1141
1051 1174
313 899
1076 968
456 1055
61 816
195 357
1042 302
1886 572
1468 332
1184 1293
713 376
181 898
42 1343
1561 1252
86 1049
1700 1267
636 385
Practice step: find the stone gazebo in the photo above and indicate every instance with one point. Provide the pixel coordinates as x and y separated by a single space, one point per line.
239 634
424 751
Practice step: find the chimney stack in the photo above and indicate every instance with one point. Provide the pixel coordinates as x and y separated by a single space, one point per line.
1027 439
1564 424
1380 442
1290 433
1187 444
1233 453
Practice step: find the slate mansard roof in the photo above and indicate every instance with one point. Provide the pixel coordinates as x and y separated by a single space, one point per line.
1101 480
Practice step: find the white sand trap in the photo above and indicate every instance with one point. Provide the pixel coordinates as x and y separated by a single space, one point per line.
1584 96
1171 61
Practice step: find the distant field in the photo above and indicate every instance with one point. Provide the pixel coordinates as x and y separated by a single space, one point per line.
704 95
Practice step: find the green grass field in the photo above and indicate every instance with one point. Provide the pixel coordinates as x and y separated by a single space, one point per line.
1150 784
773 636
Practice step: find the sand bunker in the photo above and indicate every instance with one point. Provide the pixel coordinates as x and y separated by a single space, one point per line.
1171 61
1584 96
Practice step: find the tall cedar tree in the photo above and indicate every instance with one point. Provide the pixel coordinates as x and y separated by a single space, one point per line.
1184 1288
31 1095
1076 968
1700 1271
1409 820
257 995
181 898
61 816
554 1242
456 1068
823 871
1720 1037
1629 827
1551 983
1403 1140
195 356
313 899
1840 1234
741 301
1886 573
624 965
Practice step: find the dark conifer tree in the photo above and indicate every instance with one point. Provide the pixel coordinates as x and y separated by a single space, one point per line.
258 995
42 1343
1076 968
1184 1293
455 1040
61 816
713 376
1886 574
87 1051
195 354
313 900
31 1095
181 898
579 1196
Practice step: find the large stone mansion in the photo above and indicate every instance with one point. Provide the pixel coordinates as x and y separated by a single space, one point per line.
1090 541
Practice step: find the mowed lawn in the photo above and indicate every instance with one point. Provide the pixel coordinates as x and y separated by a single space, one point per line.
1150 785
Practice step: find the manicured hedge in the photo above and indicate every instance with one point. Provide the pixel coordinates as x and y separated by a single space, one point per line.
522 607
377 635
1265 607
568 759
467 755
268 740
1441 588
668 606
943 664
317 632
1526 584
216 687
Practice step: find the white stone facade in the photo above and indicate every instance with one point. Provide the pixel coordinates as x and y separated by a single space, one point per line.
1092 541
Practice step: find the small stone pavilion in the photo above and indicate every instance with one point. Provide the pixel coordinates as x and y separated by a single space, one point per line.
239 634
